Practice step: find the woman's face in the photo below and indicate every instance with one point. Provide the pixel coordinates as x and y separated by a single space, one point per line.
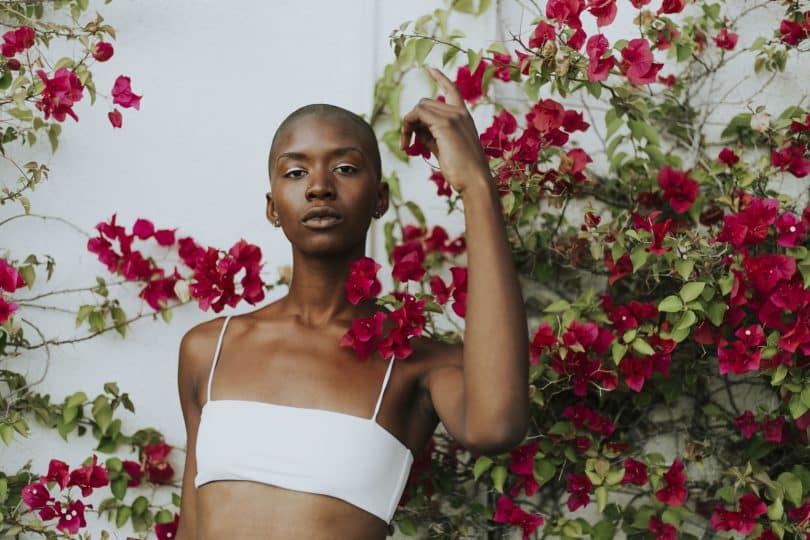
323 161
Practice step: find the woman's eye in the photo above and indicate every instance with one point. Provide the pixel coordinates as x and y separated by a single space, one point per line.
295 173
347 169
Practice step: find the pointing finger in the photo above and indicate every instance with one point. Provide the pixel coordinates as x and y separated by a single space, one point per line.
451 93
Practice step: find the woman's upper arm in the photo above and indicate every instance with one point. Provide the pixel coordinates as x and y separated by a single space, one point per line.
188 377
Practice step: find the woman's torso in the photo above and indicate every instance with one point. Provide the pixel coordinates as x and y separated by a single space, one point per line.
271 359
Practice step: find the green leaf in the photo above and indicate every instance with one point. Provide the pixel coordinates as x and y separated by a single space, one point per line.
6 433
797 407
687 320
639 256
805 396
498 475
122 515
691 290
406 526
670 304
119 487
416 212
423 48
140 505
482 464
612 122
684 267
776 510
163 516
557 307
601 498
617 351
792 485
473 59
716 311
642 347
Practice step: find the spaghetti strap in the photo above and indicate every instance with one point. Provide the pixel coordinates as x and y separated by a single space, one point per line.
216 355
382 390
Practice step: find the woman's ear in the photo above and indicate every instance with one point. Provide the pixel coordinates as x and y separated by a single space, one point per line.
382 199
272 217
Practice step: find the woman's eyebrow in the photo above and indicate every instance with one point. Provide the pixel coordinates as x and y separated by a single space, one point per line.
342 151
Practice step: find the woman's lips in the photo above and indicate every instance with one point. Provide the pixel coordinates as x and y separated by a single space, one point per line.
324 222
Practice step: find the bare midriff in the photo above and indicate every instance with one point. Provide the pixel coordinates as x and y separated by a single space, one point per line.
255 511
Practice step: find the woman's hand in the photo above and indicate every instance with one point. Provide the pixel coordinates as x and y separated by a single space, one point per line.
448 131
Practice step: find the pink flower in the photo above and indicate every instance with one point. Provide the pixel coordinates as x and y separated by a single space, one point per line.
543 338
507 511
674 492
725 39
522 458
116 118
158 469
678 188
103 51
751 225
362 281
565 12
743 521
791 230
737 359
59 94
363 334
547 114
122 93
72 519
791 158
133 469
792 32
637 62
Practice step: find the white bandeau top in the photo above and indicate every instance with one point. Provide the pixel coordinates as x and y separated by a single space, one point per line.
312 450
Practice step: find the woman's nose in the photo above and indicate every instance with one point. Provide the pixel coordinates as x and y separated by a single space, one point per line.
321 184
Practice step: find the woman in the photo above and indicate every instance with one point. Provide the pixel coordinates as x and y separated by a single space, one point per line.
282 440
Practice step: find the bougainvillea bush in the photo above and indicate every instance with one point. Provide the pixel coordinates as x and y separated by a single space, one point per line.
126 472
657 205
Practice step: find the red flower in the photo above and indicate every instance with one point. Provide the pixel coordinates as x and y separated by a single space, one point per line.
546 115
637 62
17 40
671 6
417 148
746 424
800 514
669 81
577 39
362 281
470 85
636 370
751 225
522 458
792 158
495 139
744 521
57 472
728 157
543 338
507 511
598 67
678 188
624 267
662 531
635 472
767 271
363 334
133 469
122 93
503 63
72 519
791 230
10 278
59 94
116 118
638 4
88 477
6 309
35 495
772 429
565 12
103 51
158 469
579 487
792 32
603 10
659 231
737 359
395 344
574 121
543 32
408 261
674 492
442 186
167 531
725 39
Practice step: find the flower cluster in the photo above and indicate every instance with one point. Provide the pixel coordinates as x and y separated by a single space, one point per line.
10 281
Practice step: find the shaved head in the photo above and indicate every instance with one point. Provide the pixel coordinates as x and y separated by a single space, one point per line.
325 110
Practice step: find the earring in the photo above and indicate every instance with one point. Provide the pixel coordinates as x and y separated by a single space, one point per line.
276 222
